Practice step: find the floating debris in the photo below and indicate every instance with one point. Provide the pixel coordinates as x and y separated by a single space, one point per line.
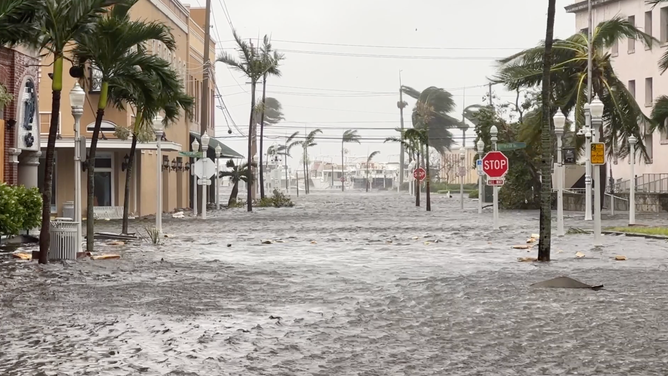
579 254
565 283
620 258
527 259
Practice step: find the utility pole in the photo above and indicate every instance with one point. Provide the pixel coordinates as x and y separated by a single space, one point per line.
491 103
204 120
401 104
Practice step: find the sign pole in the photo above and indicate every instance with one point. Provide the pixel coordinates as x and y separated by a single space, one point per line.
494 132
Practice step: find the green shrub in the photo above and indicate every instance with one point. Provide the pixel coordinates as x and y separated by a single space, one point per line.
20 209
473 194
277 200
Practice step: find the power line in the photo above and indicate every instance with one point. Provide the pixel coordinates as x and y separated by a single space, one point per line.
396 47
408 57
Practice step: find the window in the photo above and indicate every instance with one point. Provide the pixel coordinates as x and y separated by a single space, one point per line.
103 180
632 88
648 22
649 139
649 92
106 126
664 25
632 41
614 50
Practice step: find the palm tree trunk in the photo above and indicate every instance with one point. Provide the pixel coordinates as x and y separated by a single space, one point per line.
249 184
367 176
264 95
546 142
233 194
90 202
417 182
44 233
128 176
428 178
343 170
305 174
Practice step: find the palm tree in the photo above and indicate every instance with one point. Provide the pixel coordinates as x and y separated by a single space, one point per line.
309 141
270 111
285 151
434 104
272 59
18 21
236 174
368 160
349 136
60 23
254 65
166 96
117 47
414 141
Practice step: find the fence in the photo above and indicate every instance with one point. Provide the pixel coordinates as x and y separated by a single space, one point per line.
63 240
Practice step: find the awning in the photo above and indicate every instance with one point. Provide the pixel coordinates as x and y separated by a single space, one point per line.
227 152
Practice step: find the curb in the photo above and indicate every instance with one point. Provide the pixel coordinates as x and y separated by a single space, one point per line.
636 235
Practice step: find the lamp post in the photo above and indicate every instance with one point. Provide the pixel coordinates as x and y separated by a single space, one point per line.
195 148
219 151
494 132
587 130
559 123
596 108
77 100
632 193
159 130
481 149
462 156
205 146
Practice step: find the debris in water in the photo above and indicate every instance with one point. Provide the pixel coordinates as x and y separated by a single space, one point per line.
267 242
105 257
565 283
523 246
22 256
620 258
579 254
527 259
116 242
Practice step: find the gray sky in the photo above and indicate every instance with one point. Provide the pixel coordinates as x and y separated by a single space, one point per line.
446 43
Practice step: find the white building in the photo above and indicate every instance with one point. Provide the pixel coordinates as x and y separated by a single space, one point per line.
637 66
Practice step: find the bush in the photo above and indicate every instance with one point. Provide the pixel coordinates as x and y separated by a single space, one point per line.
473 194
277 200
20 209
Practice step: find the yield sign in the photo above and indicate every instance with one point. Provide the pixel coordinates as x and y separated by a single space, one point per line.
205 168
495 164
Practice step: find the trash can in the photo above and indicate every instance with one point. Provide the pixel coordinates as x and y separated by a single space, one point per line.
63 240
68 209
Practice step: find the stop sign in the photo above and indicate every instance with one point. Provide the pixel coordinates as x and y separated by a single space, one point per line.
495 164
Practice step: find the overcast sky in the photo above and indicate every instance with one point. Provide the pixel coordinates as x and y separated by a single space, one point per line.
331 84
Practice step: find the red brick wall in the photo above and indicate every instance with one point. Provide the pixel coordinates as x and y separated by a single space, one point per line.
14 68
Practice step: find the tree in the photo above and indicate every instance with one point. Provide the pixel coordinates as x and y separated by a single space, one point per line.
411 139
309 141
236 174
167 95
271 111
431 112
368 161
546 142
60 23
272 58
18 21
116 45
254 65
349 136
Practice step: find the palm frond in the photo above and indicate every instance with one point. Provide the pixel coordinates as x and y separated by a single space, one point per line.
19 21
351 136
370 157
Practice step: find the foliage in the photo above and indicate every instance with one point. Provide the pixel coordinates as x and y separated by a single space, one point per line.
153 234
453 188
474 194
431 112
20 209
5 97
17 21
663 231
277 200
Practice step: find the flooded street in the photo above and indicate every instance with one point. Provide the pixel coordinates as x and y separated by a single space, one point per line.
352 284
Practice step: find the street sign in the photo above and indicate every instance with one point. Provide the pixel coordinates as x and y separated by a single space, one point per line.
204 168
462 171
495 164
597 153
495 182
478 165
191 154
419 174
511 146
343 179
569 156
203 181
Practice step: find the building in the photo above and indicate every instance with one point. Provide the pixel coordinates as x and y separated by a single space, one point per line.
111 159
637 66
451 163
19 125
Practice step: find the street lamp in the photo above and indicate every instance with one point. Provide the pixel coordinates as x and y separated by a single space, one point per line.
77 100
219 151
195 148
632 193
205 146
596 108
559 123
462 156
494 132
585 131
159 129
481 149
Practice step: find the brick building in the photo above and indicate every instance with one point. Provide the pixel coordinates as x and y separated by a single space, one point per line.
19 122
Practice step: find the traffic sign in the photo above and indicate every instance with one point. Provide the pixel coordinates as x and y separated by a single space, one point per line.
205 168
597 153
462 171
203 181
495 182
343 179
478 165
511 146
419 174
495 164
191 154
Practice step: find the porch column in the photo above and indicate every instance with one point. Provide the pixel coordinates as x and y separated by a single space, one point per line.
28 168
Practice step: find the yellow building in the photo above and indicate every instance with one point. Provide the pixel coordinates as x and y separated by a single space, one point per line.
187 27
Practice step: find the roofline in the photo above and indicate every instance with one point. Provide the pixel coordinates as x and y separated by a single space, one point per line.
582 5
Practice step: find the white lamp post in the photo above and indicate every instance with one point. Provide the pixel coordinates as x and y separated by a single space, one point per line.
219 151
77 100
159 130
494 132
596 108
462 156
559 123
195 148
205 146
587 130
481 149
632 193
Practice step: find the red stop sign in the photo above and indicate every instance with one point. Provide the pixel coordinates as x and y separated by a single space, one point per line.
495 164
419 174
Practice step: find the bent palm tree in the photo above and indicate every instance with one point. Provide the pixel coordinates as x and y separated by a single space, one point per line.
254 65
434 103
368 160
60 23
236 174
18 21
309 141
349 136
117 48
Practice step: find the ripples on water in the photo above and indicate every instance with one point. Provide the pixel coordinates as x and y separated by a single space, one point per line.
346 289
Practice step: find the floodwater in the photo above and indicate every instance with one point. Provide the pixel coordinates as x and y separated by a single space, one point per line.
352 284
